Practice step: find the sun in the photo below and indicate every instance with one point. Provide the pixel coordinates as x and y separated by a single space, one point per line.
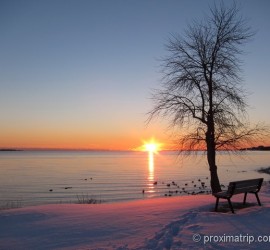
151 146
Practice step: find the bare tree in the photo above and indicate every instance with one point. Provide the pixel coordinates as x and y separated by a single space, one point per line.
202 89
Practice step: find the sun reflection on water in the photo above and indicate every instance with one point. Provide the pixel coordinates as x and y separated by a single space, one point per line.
151 171
151 167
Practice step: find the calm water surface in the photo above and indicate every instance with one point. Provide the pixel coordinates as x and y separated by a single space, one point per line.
27 177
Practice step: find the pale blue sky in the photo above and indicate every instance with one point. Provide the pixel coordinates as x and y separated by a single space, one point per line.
87 67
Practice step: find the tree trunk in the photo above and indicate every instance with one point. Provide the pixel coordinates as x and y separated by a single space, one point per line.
211 158
210 139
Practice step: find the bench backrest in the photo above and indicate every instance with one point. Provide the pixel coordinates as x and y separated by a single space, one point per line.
238 187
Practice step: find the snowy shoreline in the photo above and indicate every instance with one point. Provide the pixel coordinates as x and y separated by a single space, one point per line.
160 223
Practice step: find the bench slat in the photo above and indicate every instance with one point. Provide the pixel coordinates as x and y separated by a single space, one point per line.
245 184
245 189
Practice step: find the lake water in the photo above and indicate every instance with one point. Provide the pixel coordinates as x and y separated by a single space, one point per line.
44 177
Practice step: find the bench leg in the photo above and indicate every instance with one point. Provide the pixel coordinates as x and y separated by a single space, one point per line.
216 204
258 199
230 204
245 197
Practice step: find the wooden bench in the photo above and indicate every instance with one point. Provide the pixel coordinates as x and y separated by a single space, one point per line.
238 187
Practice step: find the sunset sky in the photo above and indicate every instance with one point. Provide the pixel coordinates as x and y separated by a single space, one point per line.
79 74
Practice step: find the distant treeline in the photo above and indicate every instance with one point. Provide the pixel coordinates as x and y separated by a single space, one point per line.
259 148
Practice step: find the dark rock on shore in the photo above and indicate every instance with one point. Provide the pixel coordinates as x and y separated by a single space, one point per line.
264 170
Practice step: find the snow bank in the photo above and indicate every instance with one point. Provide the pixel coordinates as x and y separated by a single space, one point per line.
164 223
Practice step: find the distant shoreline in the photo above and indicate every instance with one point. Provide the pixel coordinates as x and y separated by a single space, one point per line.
9 150
259 148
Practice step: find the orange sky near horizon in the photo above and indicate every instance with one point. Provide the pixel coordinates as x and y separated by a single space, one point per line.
42 138
38 139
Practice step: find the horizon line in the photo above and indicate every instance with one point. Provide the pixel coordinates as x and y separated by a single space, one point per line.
3 149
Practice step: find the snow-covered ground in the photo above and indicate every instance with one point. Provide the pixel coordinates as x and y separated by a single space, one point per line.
163 223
